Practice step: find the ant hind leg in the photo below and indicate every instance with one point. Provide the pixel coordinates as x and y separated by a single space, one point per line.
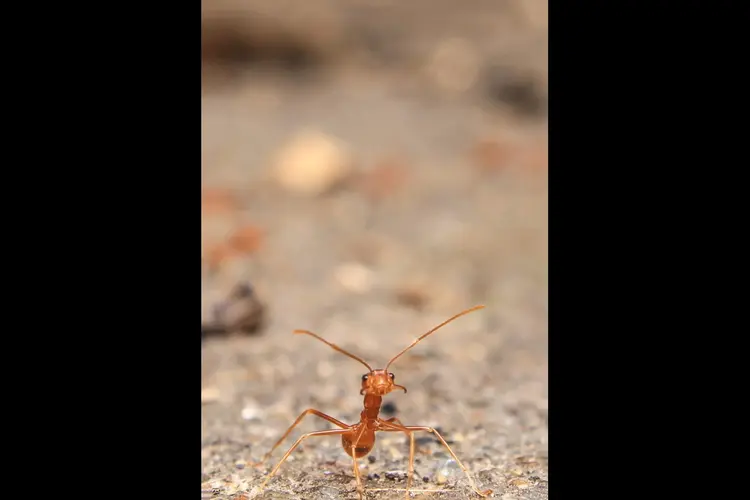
357 475
309 411
329 432
360 487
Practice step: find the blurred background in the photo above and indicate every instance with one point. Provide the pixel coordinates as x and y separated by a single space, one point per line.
369 169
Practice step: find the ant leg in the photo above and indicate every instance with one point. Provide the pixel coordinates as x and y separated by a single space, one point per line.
296 422
360 488
394 425
329 432
414 428
392 420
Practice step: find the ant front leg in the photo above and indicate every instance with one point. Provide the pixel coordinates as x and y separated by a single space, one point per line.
295 424
329 432
414 428
392 420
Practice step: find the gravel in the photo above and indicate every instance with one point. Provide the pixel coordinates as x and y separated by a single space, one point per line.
371 274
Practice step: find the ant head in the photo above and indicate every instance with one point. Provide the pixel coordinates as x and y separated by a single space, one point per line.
379 383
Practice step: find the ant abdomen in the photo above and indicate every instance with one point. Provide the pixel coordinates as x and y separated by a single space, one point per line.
365 445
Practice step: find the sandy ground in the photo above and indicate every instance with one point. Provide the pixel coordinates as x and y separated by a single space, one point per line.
445 207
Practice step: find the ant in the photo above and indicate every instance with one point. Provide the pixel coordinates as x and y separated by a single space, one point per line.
359 439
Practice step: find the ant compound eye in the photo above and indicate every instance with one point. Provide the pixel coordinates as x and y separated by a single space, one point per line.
364 378
393 377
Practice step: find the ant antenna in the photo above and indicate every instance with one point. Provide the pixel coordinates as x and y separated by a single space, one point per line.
337 348
431 331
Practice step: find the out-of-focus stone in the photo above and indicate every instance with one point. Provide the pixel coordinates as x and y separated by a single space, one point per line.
312 163
246 239
210 395
519 483
355 277
491 156
242 311
279 30
218 201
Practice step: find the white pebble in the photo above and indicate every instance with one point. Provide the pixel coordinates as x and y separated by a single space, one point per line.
250 413
210 395
448 469
355 277
312 163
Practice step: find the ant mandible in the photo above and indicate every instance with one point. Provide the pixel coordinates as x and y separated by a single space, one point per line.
359 439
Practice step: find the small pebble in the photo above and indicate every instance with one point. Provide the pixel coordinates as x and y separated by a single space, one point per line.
521 91
240 464
210 395
412 296
395 475
220 201
446 471
312 163
519 483
490 155
246 239
328 493
355 277
250 413
241 311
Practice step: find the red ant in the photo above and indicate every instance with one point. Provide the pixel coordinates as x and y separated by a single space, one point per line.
359 439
